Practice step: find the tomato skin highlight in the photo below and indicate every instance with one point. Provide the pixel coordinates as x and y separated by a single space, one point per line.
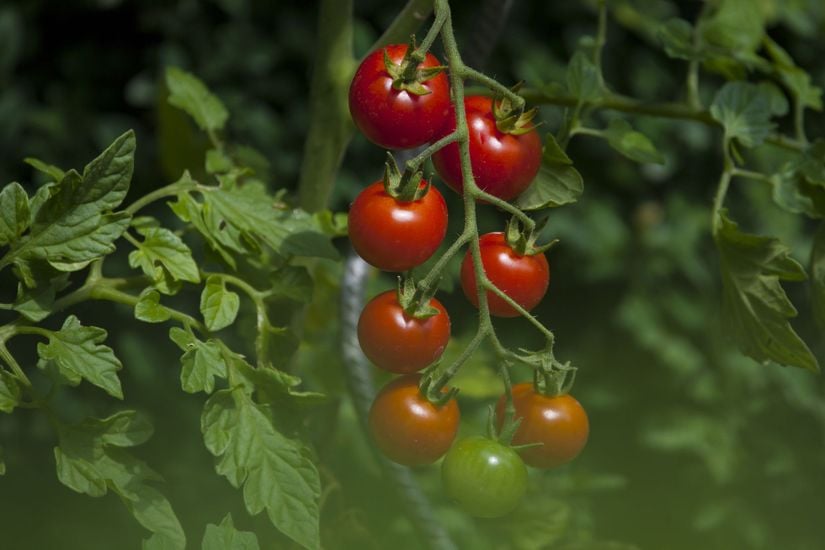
503 164
487 478
559 422
408 428
393 235
397 119
523 278
397 342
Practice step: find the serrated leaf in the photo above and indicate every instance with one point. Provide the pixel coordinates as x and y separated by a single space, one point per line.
226 537
795 79
557 183
292 282
190 211
818 275
583 81
49 169
189 94
799 187
201 362
149 309
90 459
71 226
676 37
165 258
756 308
274 472
632 144
9 392
744 110
14 213
219 306
35 304
78 354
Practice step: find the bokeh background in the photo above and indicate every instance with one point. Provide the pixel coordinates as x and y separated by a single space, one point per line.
692 445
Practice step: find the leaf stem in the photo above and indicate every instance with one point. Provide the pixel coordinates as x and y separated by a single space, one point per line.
491 83
170 190
415 163
9 359
723 185
427 282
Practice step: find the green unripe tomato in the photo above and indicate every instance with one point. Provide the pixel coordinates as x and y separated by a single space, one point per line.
487 478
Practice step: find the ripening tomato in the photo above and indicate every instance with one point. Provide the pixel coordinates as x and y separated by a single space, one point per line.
398 342
487 478
394 235
503 164
522 278
394 114
559 423
407 427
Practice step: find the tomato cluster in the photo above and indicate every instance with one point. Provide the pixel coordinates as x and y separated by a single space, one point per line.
396 225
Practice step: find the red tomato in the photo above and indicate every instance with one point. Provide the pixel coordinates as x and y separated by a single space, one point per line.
408 428
398 342
559 423
522 278
396 118
503 164
394 235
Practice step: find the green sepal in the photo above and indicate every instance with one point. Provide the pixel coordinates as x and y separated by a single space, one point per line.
522 240
409 76
436 395
404 187
416 302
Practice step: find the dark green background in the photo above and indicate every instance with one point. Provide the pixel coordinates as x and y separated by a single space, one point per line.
692 445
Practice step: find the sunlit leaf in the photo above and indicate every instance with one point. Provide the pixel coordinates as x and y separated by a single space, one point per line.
14 213
201 362
557 182
149 309
226 537
632 144
188 93
219 306
745 111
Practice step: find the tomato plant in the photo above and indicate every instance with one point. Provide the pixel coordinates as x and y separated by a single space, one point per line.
397 341
524 278
487 479
397 107
396 235
559 423
407 427
504 161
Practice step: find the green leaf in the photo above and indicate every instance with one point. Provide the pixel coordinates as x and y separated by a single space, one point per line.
149 309
9 392
275 472
226 537
632 144
165 258
799 187
735 25
36 303
77 352
70 226
818 275
201 362
676 36
14 213
91 460
189 94
219 306
795 79
49 169
583 79
744 110
217 162
756 308
293 282
557 182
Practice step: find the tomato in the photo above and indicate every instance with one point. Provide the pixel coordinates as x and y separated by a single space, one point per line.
396 118
408 428
522 278
398 342
393 235
486 478
559 422
503 164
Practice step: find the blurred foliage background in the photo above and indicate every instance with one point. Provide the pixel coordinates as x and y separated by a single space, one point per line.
692 444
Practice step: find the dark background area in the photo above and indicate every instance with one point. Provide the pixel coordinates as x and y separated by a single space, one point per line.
692 445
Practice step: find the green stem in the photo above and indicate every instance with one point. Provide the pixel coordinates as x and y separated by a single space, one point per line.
330 128
601 39
111 294
171 190
9 359
427 282
447 374
799 120
528 222
415 163
488 285
491 83
585 131
722 186
751 175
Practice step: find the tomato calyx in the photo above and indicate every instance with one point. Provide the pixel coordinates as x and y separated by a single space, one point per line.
406 186
408 75
433 391
415 302
523 240
513 119
551 377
